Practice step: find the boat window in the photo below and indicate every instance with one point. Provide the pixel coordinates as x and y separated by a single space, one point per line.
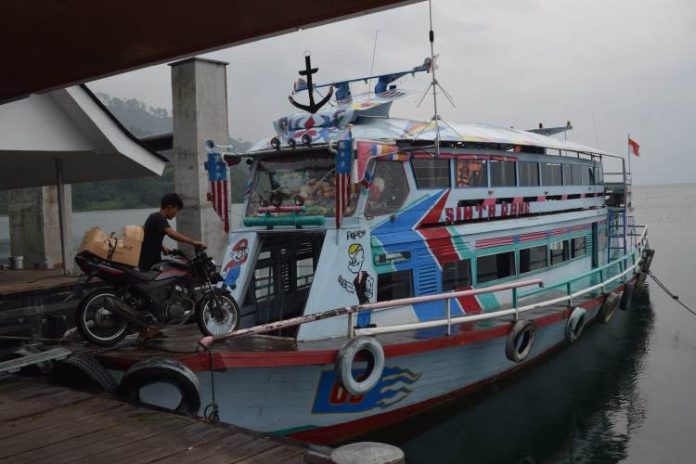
471 173
431 173
551 174
388 190
456 275
395 285
493 267
579 246
559 252
503 173
533 258
311 177
591 172
529 173
580 175
568 175
599 173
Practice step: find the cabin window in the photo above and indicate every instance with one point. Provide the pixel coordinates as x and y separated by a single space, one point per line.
493 267
395 285
456 275
581 175
388 190
559 252
579 245
591 172
551 174
471 173
568 175
503 173
533 258
529 173
598 174
431 173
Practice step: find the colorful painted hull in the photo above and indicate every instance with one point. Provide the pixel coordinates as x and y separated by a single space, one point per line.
296 393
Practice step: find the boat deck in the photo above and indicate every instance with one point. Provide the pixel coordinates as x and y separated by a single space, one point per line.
268 350
42 423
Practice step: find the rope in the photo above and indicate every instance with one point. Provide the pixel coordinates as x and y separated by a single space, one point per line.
212 410
668 292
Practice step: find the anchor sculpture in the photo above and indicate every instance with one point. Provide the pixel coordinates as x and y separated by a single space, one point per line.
312 107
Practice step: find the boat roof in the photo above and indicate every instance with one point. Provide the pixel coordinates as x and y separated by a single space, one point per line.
367 117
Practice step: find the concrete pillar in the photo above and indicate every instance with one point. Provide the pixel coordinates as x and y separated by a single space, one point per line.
34 226
199 100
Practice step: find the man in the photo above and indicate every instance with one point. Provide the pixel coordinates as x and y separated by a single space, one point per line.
157 226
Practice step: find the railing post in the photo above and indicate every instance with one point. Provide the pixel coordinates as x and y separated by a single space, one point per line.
601 279
514 303
449 316
351 324
570 300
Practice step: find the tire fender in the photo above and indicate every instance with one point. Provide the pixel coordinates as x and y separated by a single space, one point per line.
575 325
648 255
640 280
627 297
159 369
606 311
346 357
94 372
520 340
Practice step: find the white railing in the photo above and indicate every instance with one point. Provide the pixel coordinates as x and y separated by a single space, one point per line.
635 255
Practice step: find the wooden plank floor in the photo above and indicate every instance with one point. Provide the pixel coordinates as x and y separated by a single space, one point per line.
42 423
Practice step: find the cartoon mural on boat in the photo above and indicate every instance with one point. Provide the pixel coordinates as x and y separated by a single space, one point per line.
363 283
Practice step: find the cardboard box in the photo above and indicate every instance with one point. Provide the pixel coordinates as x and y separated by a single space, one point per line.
96 242
123 249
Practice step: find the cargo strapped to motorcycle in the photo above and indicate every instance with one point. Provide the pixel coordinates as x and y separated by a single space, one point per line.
113 243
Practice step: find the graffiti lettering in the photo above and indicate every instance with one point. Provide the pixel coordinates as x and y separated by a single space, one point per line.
480 211
355 234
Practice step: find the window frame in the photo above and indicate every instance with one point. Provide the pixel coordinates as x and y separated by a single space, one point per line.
409 281
546 258
498 277
432 159
466 263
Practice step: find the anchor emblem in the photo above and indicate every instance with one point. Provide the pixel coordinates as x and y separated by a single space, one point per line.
312 107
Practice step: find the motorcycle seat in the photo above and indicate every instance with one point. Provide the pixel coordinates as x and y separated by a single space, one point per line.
142 275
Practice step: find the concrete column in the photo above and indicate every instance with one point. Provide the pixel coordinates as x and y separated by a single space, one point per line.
34 226
199 100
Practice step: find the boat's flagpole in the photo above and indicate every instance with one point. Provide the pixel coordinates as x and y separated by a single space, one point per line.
433 84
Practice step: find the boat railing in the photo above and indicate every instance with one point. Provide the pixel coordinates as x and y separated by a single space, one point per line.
604 273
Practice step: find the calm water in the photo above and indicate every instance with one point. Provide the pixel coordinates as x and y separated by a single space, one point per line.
625 393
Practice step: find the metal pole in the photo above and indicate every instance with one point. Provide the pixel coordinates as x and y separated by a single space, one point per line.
61 213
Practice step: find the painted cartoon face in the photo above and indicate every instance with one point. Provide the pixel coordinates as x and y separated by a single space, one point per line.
239 254
356 257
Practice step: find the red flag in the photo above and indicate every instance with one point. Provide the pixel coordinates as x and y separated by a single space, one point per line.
634 147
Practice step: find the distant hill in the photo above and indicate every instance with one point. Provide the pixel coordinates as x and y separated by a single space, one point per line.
142 121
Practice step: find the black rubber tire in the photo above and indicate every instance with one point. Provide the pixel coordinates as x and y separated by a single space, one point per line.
80 322
159 369
627 297
520 340
648 255
201 309
575 325
90 369
344 365
606 311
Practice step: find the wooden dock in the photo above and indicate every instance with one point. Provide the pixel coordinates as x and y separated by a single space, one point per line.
42 423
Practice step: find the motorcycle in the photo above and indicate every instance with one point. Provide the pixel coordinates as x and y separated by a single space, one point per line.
172 292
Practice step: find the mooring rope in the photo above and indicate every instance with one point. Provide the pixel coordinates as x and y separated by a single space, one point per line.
668 292
212 410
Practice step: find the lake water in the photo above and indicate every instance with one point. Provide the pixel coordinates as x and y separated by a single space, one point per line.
624 393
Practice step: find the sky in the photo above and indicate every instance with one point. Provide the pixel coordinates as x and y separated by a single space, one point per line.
610 67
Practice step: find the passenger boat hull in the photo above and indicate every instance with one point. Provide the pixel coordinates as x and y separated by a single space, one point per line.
299 396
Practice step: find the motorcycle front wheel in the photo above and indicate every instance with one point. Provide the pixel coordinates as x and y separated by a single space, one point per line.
217 314
97 324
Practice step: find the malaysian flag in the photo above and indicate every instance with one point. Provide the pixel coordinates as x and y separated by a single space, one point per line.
344 159
219 187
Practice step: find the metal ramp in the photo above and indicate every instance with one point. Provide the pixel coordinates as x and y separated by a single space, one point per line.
15 365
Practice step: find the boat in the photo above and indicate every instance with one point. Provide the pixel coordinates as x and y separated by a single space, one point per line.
384 266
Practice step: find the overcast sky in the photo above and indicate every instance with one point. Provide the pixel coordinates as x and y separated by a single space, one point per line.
609 67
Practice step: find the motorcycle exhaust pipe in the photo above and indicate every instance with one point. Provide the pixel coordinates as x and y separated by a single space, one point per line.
121 309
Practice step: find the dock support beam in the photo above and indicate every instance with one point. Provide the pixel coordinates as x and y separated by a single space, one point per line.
199 101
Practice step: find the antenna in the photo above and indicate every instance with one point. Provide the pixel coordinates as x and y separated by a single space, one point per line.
434 84
372 67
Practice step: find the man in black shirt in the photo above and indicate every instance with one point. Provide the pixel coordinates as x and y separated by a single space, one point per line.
157 226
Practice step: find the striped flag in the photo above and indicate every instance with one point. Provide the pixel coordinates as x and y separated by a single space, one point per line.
219 187
344 159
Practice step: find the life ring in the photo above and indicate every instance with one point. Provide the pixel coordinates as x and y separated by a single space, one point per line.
606 311
520 340
575 325
346 357
83 370
627 297
163 370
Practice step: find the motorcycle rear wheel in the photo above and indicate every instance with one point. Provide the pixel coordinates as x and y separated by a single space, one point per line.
97 324
217 314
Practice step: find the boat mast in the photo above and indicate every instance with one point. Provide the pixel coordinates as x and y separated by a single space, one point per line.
433 82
